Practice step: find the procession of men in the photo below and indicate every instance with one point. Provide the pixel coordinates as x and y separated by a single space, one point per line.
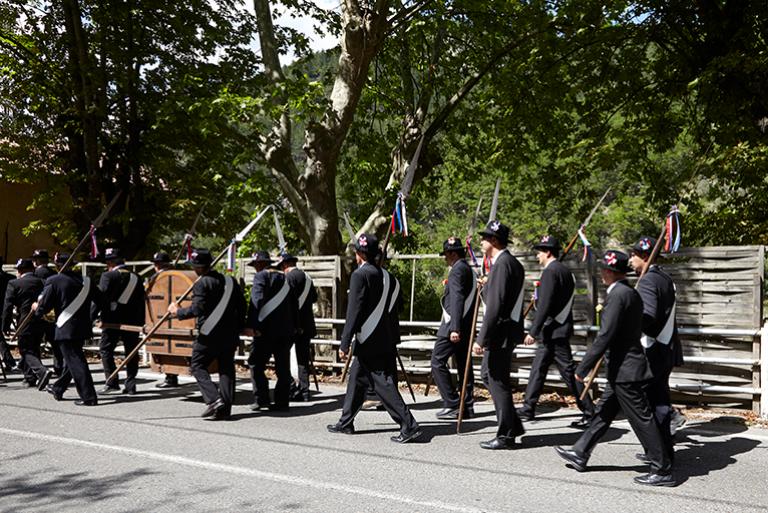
637 337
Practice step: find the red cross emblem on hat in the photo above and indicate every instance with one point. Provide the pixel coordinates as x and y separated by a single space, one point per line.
610 258
363 241
495 226
545 238
645 244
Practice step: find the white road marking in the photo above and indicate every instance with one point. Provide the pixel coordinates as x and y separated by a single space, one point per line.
248 472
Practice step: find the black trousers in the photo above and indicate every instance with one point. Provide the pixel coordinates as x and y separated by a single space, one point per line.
559 352
29 349
303 345
109 340
661 358
5 353
49 332
75 367
442 352
204 351
497 364
631 399
383 377
261 350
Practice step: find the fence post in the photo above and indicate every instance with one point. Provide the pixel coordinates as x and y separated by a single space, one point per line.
764 371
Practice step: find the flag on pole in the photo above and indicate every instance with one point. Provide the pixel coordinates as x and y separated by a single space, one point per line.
232 256
94 246
674 233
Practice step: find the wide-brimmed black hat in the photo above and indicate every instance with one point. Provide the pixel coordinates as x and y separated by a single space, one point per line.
644 246
112 254
61 259
615 260
259 257
201 258
161 257
25 263
368 244
40 253
285 257
496 229
547 243
453 244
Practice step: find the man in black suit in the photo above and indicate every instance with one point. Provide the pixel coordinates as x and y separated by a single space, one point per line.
69 294
6 358
305 294
218 306
272 315
660 339
21 294
122 303
40 258
161 261
458 303
502 329
552 328
627 371
369 323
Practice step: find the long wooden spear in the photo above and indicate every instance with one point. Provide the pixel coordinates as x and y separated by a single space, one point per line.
95 224
651 259
238 238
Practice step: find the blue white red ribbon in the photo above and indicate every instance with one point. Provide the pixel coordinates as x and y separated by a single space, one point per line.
232 256
674 233
399 217
585 242
94 246
470 251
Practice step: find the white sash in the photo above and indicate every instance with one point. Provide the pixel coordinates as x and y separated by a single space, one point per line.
276 301
305 292
467 304
395 293
665 336
221 307
563 315
75 305
372 321
133 280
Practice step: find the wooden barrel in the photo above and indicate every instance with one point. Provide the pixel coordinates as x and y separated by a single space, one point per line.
170 348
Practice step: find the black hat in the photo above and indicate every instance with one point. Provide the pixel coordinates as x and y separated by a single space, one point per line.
368 244
161 257
112 254
498 230
61 259
547 243
615 261
260 256
201 258
25 263
40 253
644 245
453 244
286 257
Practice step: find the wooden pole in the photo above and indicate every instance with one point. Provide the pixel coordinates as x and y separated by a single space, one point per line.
468 363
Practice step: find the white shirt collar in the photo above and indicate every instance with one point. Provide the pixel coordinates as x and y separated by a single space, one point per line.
494 258
610 287
26 273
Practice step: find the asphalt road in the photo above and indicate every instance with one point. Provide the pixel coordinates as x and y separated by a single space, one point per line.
152 452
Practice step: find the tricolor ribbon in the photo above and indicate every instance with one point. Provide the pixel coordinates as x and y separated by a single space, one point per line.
585 242
94 246
399 218
232 256
674 233
188 246
470 251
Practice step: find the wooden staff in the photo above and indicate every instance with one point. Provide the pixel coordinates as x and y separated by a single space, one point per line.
654 254
468 363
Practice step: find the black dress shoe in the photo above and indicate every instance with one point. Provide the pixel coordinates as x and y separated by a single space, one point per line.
129 391
28 384
404 438
168 384
582 423
448 414
109 390
576 460
88 402
642 457
338 428
55 393
656 480
526 414
211 408
499 444
43 382
259 407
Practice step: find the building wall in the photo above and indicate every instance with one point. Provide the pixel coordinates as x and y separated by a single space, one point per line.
14 216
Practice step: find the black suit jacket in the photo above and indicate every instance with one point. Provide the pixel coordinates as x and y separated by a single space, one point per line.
554 294
206 295
59 292
457 292
21 293
281 322
500 295
619 338
657 290
112 285
44 272
366 286
297 279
